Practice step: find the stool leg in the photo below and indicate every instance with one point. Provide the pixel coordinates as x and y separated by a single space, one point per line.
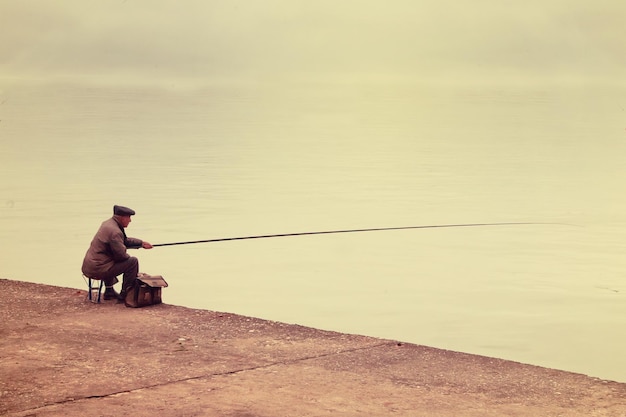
89 284
100 290
92 286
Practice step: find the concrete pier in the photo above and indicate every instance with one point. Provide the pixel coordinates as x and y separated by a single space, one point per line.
61 355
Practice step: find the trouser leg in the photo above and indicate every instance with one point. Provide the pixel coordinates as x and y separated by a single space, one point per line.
130 275
110 281
130 269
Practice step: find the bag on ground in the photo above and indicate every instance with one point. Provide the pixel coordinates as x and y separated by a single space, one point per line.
145 291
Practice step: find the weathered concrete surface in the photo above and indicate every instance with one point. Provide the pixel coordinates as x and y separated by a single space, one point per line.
63 356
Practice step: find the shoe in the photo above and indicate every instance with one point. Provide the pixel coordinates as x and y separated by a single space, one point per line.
121 297
111 294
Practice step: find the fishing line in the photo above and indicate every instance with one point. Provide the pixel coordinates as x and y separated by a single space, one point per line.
345 231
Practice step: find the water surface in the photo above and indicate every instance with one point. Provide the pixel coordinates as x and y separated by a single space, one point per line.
252 159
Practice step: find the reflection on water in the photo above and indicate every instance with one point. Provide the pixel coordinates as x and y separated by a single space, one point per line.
250 160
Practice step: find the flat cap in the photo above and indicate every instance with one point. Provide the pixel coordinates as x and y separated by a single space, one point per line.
123 211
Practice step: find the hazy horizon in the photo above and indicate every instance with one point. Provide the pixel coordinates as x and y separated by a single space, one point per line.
198 41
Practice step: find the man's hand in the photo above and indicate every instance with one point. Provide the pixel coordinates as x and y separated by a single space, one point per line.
146 245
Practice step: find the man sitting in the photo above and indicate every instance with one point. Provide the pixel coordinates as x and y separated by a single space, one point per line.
106 257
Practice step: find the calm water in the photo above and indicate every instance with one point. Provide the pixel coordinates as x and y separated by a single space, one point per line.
241 160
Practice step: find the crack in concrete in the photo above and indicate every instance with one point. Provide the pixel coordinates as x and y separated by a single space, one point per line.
191 378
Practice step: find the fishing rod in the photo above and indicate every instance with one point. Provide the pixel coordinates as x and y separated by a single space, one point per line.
343 231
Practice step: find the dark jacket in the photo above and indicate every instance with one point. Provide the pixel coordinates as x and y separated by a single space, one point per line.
108 247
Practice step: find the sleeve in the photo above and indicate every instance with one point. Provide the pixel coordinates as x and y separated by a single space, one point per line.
133 243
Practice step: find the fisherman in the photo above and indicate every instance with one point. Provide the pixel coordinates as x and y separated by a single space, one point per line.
107 258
